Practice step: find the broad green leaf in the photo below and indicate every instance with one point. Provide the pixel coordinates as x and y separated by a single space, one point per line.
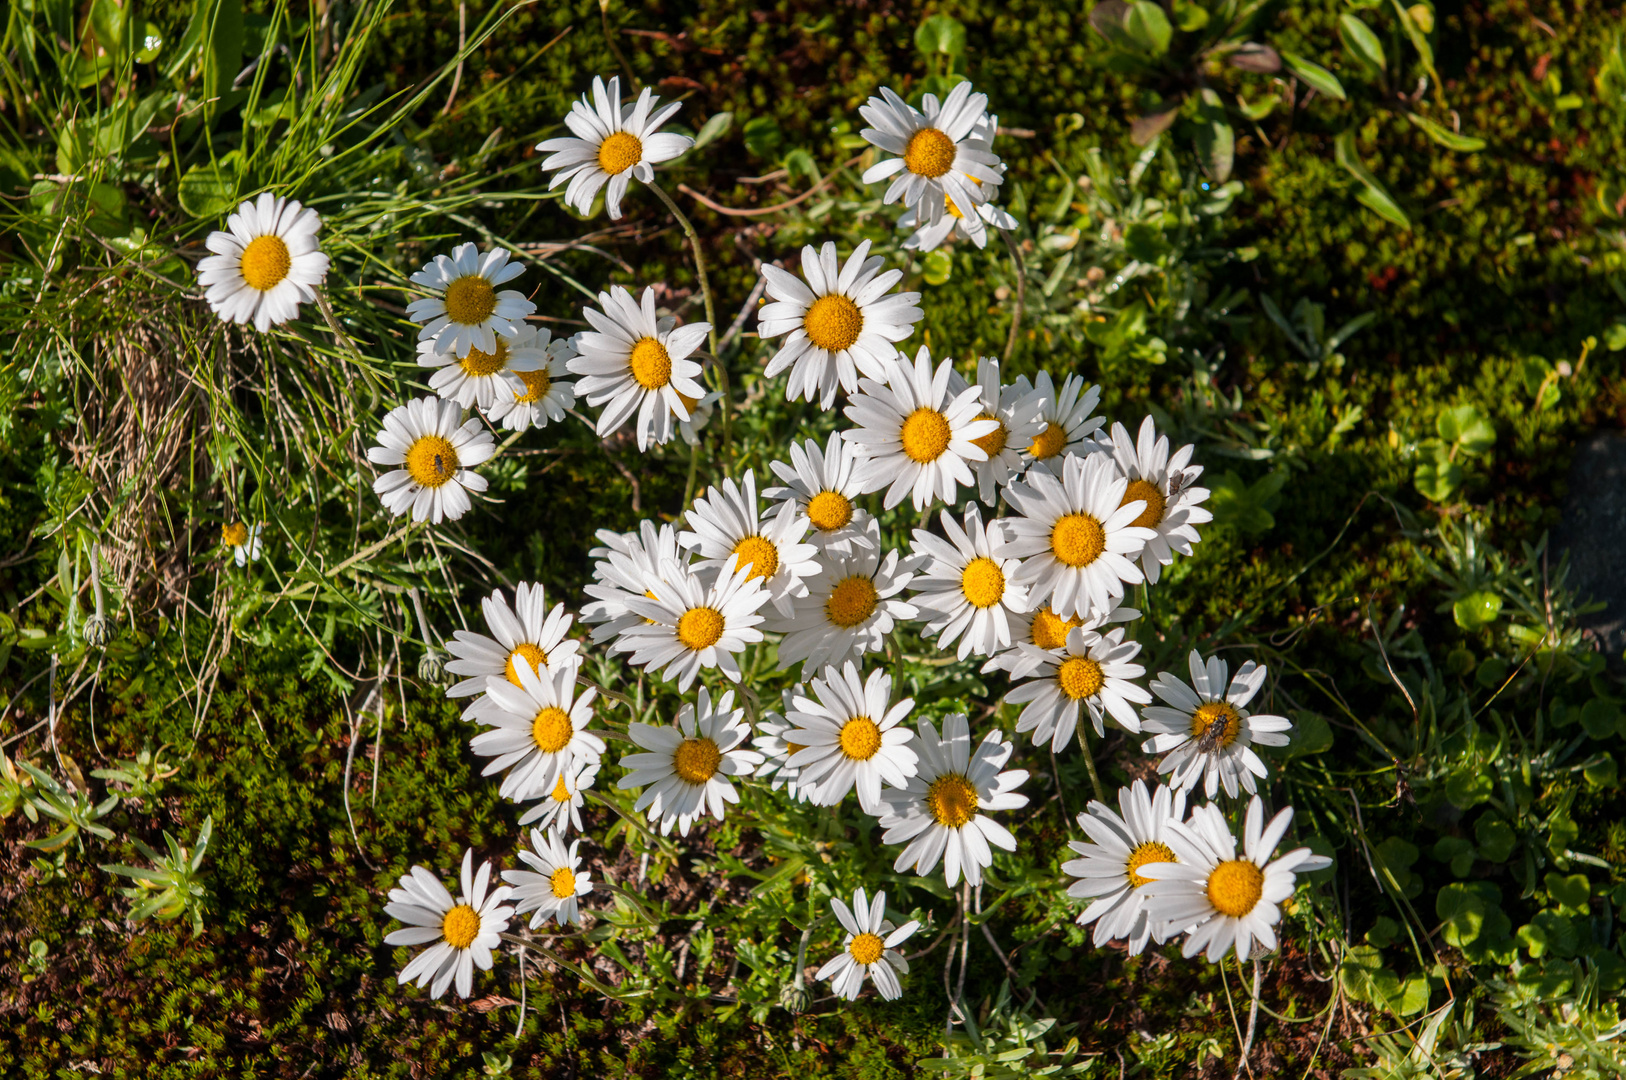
1314 74
149 44
209 190
1495 837
1599 718
1361 43
1216 144
1437 477
1373 195
1311 734
940 34
1190 16
1463 908
1466 426
1602 774
1571 893
1445 136
108 22
1457 851
1468 789
1476 609
763 137
1148 27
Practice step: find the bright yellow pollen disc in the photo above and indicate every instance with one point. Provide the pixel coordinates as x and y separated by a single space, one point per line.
1080 677
925 435
1149 852
537 384
860 738
696 760
1077 540
531 654
982 582
234 535
470 300
621 151
829 511
481 364
1048 443
867 948
951 800
431 461
460 926
833 322
551 730
651 364
993 442
930 153
759 554
563 882
1049 630
700 628
1141 491
1207 714
560 792
851 602
266 262
1235 887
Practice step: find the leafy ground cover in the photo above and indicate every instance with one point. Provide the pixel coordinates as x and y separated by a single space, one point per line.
1375 280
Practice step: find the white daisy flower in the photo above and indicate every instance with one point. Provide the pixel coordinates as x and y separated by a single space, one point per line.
528 633
632 362
629 566
1074 536
776 750
243 540
928 234
1040 635
1232 901
1016 411
482 379
937 157
466 311
439 451
537 730
543 393
691 625
552 890
841 322
915 436
1198 747
849 608
822 485
870 949
612 144
725 522
700 410
561 808
1094 669
464 931
1108 874
266 265
967 587
686 772
1164 483
1069 423
849 735
943 813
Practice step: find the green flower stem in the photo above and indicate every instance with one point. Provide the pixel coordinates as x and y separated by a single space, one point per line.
1089 759
1021 295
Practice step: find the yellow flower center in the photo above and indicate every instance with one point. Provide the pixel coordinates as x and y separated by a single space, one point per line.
1235 887
829 511
1142 491
481 364
561 793
993 442
867 948
470 300
759 554
982 582
431 461
696 760
563 882
925 435
234 535
793 748
930 153
1208 714
951 800
851 602
460 926
537 385
531 654
860 738
551 730
1149 852
953 211
1080 677
621 151
651 364
689 404
1077 540
700 628
1049 630
833 322
1048 443
266 262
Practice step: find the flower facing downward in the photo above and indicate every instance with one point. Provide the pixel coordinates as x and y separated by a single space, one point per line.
528 633
1164 483
1207 732
482 379
265 265
243 540
544 392
552 889
1108 872
635 364
537 730
463 931
686 771
610 144
1094 670
465 311
561 808
438 451
967 587
938 159
848 736
691 625
870 949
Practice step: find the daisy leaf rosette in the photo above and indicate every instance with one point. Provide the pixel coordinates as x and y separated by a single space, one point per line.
1016 412
1190 711
870 949
437 450
610 145
1041 634
544 392
822 485
850 606
1171 514
536 730
460 933
685 772
560 809
464 310
550 888
265 264
692 625
1121 842
1094 670
943 812
527 633
481 379
848 737
1074 536
628 566
1226 901
838 324
726 521
1069 420
937 157
965 587
634 363
916 438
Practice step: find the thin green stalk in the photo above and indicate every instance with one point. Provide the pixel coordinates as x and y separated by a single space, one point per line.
1021 293
1089 761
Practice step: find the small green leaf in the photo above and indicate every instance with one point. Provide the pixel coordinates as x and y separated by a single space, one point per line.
940 34
1477 609
1216 143
1374 196
1468 789
763 137
1314 74
1570 893
1148 27
1602 774
1599 718
1466 426
1463 907
1457 851
1445 136
937 267
209 190
1361 43
714 128
1189 16
1437 477
1496 838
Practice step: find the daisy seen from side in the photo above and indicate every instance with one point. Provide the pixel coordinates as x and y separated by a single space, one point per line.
536 730
850 607
1041 633
1016 411
1206 730
460 932
870 949
822 485
265 264
967 591
1120 843
1165 483
242 540
544 392
635 364
437 451
527 633
937 158
481 379
692 625
464 310
849 736
686 768
553 883
1069 420
561 808
1094 670
610 145
773 743
726 521
628 566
